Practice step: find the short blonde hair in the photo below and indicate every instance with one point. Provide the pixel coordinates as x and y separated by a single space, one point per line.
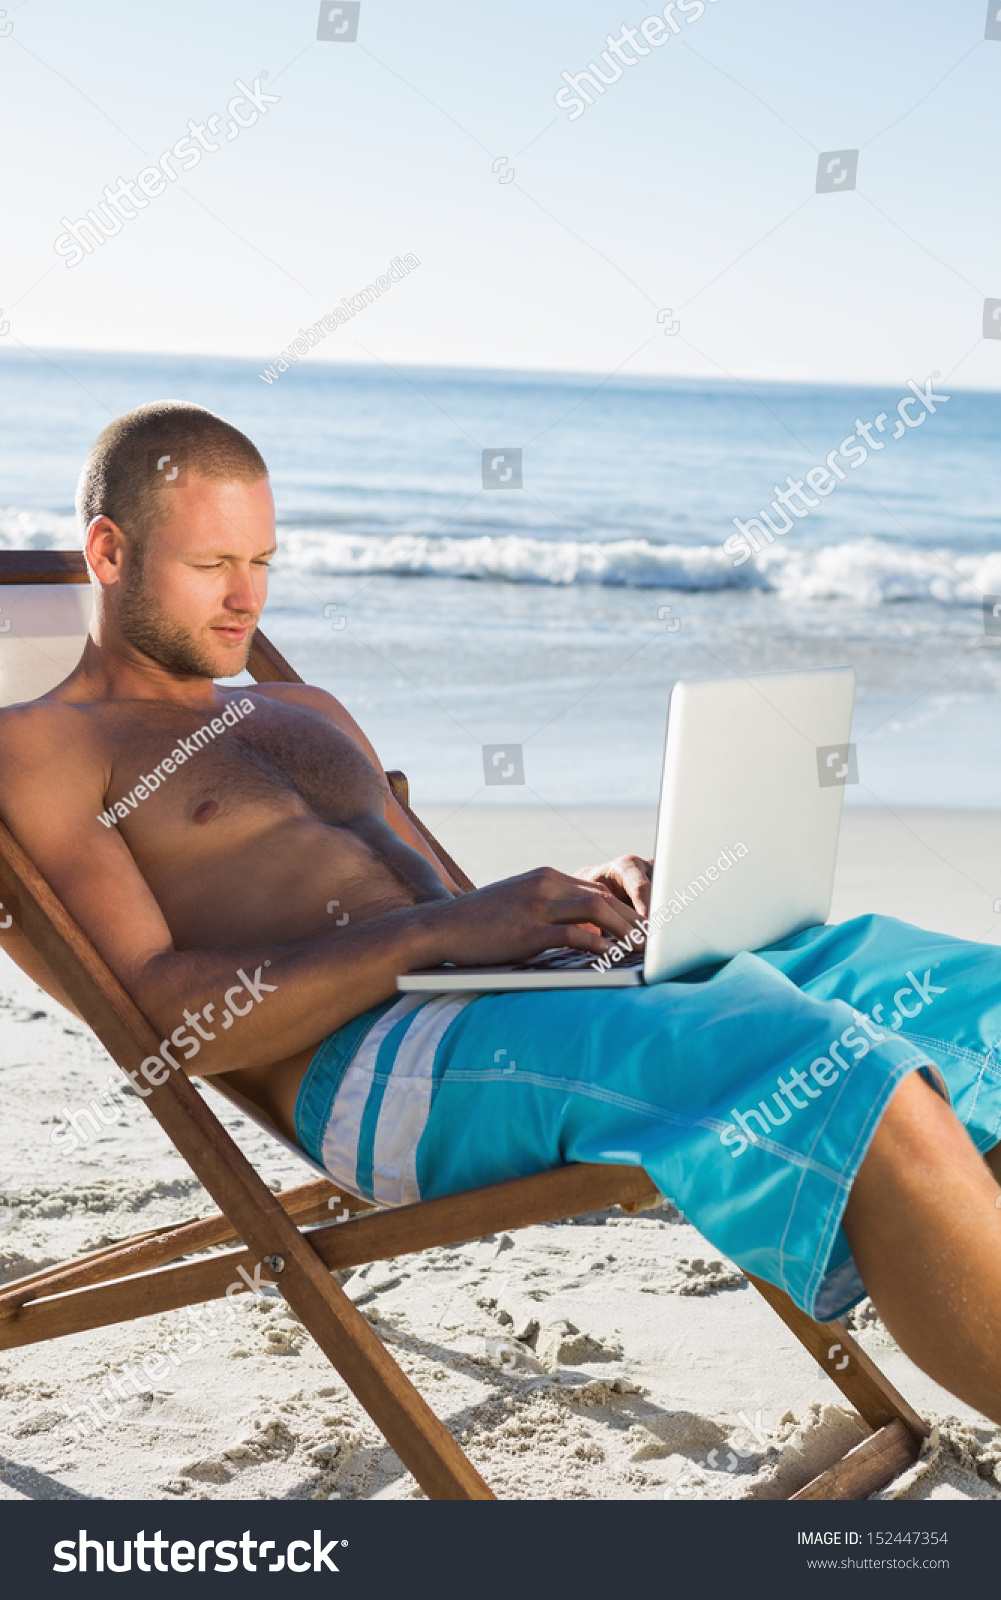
132 463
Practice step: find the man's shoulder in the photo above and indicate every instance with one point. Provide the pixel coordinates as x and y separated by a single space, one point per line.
40 733
305 695
44 718
297 693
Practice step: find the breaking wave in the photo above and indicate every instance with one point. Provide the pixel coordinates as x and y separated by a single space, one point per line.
868 572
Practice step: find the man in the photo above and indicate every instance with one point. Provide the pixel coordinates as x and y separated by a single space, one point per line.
238 860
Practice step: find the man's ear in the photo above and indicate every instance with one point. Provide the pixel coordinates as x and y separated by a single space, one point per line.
105 548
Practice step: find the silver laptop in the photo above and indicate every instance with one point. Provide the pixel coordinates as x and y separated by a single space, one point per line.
747 834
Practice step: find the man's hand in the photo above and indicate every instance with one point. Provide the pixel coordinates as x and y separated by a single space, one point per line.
521 917
627 878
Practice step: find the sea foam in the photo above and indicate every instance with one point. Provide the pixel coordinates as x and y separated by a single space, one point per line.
868 572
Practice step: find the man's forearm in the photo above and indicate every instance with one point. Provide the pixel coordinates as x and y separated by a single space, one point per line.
279 1001
247 1007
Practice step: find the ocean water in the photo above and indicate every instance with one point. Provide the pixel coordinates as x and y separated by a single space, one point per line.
556 616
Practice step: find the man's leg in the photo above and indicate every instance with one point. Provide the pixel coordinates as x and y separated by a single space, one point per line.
924 1226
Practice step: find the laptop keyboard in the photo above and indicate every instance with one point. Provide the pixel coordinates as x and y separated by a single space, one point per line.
571 961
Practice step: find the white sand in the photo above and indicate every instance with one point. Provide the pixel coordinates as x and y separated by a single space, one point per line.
616 1357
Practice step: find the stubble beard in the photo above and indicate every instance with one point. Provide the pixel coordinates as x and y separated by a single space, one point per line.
167 643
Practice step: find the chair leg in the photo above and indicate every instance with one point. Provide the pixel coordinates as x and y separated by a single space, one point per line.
843 1359
870 1466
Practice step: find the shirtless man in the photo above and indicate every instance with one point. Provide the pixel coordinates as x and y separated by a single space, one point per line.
229 866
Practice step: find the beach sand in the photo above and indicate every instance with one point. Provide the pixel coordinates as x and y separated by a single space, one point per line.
609 1357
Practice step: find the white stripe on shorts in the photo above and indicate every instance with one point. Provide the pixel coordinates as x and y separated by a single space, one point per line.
340 1137
406 1102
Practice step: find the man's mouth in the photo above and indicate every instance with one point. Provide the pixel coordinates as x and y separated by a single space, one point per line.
233 632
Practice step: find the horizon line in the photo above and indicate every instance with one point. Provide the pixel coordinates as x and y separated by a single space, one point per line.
618 380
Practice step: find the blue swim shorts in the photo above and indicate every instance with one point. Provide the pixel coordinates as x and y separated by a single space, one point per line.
750 1094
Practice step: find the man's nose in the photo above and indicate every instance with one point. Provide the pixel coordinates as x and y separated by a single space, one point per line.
242 594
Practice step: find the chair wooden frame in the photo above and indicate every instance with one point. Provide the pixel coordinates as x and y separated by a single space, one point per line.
147 1274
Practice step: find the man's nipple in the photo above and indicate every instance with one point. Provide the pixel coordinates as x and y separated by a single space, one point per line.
206 811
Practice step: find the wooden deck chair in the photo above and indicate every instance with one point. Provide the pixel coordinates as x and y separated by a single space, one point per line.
44 615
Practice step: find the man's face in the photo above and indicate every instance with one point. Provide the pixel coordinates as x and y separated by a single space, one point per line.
192 602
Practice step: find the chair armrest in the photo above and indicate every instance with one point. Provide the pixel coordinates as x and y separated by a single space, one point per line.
400 785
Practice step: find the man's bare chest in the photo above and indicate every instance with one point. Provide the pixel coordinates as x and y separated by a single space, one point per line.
170 765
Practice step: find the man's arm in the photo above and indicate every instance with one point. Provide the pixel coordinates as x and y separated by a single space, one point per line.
52 785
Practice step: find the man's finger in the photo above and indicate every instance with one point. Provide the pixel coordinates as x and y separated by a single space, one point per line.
577 938
636 881
632 885
609 914
602 883
626 880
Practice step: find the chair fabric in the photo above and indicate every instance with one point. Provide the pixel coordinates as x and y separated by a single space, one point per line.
43 627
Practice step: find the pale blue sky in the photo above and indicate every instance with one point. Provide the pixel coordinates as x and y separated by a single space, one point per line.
689 184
